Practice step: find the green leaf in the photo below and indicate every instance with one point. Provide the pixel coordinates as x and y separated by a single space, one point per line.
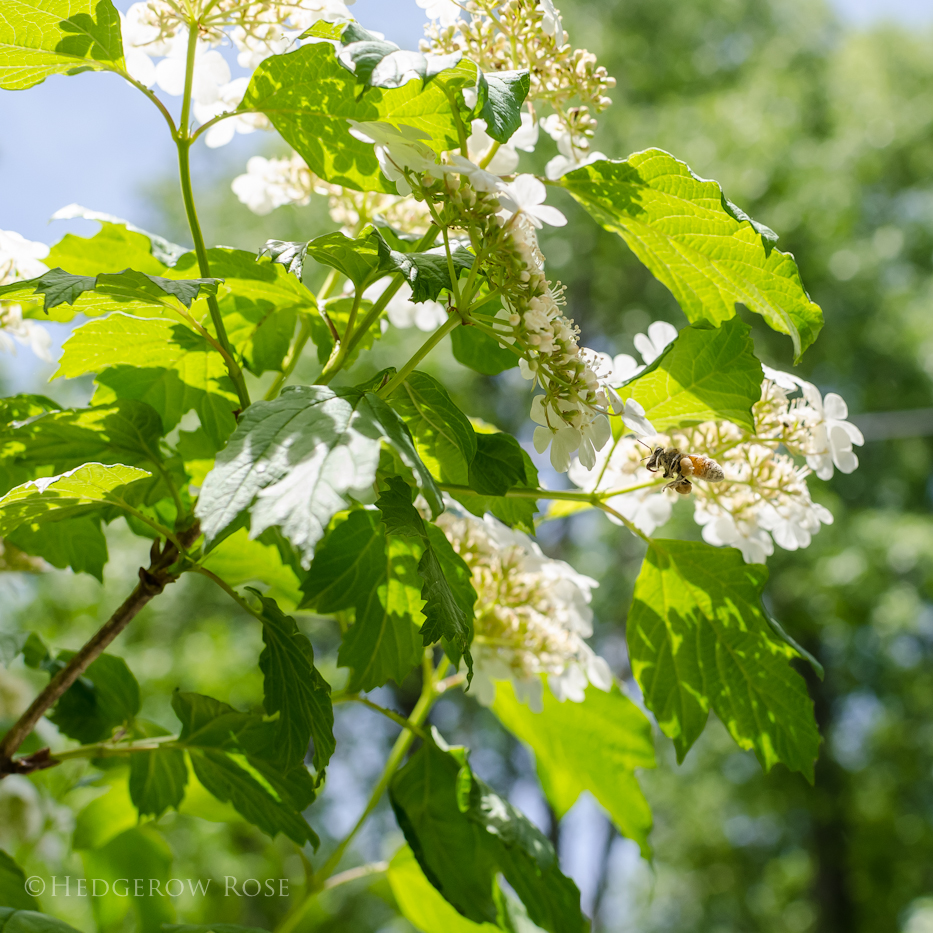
127 431
448 609
443 435
287 253
294 688
360 259
480 352
165 364
141 852
103 698
420 902
127 290
238 560
595 745
503 93
158 780
23 407
39 38
463 834
379 63
295 461
209 928
701 246
230 753
28 921
13 891
699 640
90 488
495 470
309 96
79 544
260 304
116 246
704 375
359 567
428 272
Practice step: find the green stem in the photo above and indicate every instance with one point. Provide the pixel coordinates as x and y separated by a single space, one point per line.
388 713
291 360
520 493
229 590
354 874
418 716
162 108
110 750
183 143
429 344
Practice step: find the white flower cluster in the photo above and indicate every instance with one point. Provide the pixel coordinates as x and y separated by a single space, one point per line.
532 614
21 259
505 35
158 29
764 499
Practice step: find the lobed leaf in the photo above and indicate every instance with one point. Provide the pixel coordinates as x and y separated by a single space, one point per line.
294 689
359 567
428 273
230 754
128 290
700 245
309 97
704 375
157 361
443 435
295 461
39 38
463 834
93 487
699 640
13 893
595 745
361 259
158 780
448 609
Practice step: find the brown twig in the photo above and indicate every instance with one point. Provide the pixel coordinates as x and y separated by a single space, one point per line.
152 580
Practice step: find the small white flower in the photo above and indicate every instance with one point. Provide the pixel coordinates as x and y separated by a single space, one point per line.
550 23
723 531
20 258
480 179
652 345
833 436
29 333
526 195
398 149
634 417
271 183
624 367
447 11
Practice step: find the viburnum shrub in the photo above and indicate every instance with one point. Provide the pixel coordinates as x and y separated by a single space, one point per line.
408 522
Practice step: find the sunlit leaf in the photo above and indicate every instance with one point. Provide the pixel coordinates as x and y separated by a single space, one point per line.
595 745
39 38
704 375
700 245
699 640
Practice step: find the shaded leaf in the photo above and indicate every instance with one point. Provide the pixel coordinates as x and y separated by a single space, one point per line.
700 245
448 609
294 688
462 834
480 352
428 272
503 93
13 893
361 259
359 567
78 543
158 780
103 698
13 920
699 640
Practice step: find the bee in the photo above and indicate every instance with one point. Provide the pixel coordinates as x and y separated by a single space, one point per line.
677 467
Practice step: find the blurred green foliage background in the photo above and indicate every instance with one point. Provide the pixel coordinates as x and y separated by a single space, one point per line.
826 135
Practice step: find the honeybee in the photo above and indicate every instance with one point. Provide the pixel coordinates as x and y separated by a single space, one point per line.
677 466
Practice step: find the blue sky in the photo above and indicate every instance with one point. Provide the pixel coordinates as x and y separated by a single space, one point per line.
93 140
